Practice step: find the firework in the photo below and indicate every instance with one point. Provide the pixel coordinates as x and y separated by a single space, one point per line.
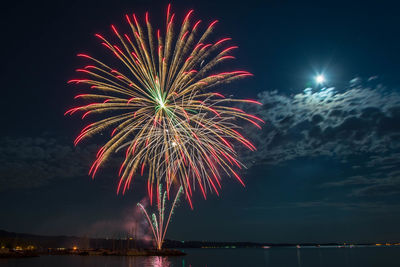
160 109
158 225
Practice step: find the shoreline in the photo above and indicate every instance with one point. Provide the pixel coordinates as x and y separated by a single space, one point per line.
100 252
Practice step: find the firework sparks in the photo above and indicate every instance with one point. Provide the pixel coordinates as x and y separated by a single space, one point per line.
160 108
158 225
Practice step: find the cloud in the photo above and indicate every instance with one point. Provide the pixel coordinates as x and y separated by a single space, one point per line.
27 162
330 122
380 176
357 125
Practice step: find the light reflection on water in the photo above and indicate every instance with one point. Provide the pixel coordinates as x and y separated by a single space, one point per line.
158 262
298 257
273 257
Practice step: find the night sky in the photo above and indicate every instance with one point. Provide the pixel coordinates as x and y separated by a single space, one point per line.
327 167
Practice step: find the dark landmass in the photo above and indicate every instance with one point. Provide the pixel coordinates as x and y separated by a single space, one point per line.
10 240
29 245
91 252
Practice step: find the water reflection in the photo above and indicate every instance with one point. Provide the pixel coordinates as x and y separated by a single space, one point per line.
145 262
320 256
157 262
266 257
298 257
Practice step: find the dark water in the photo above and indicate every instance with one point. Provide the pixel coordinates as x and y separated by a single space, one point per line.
279 257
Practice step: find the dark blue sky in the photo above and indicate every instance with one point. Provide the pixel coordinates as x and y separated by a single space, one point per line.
327 166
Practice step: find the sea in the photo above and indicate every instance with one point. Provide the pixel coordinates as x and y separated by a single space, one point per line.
231 257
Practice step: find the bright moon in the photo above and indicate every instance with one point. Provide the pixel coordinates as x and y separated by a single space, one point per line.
320 79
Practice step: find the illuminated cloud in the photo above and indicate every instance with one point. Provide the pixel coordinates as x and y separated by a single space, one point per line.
359 124
328 122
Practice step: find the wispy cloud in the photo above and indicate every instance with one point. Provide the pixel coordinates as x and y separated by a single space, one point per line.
27 162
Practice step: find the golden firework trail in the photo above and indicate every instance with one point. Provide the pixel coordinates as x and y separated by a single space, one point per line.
160 109
159 225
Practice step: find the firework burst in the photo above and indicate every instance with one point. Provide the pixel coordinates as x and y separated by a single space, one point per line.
160 108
